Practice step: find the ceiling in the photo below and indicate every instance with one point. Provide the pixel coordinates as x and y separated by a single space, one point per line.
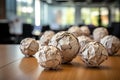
80 1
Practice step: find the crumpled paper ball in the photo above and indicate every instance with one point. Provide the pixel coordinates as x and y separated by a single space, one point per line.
83 40
111 43
67 43
93 54
45 38
29 46
75 30
85 30
99 33
49 57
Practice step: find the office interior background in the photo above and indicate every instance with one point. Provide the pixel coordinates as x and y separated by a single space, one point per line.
38 16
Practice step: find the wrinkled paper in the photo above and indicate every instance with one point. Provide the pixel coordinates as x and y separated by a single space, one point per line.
99 33
85 30
93 54
49 57
75 30
45 38
67 43
83 40
29 46
111 43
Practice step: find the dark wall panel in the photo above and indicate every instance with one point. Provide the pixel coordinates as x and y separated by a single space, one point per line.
2 9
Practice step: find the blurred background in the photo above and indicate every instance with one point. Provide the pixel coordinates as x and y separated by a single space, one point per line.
30 18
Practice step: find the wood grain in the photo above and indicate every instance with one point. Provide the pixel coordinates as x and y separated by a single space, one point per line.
23 68
9 54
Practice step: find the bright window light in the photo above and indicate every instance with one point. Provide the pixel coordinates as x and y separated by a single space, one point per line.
37 12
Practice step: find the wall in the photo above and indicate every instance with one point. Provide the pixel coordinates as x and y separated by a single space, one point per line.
2 9
10 8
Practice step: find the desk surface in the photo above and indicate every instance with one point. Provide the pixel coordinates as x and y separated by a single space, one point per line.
14 66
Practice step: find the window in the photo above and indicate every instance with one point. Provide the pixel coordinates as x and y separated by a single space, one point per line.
117 15
59 15
25 9
104 16
91 16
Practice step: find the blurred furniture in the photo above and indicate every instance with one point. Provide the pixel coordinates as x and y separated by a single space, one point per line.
14 66
7 38
116 29
91 28
45 28
27 30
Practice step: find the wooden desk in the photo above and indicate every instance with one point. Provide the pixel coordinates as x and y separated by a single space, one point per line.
14 66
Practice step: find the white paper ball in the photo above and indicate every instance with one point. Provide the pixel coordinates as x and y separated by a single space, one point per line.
67 43
29 46
45 38
85 30
83 40
49 57
111 43
99 33
93 54
75 30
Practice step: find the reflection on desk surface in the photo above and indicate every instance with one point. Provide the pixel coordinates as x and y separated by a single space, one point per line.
14 66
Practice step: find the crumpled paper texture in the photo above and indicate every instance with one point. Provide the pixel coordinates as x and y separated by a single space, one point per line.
45 38
29 46
67 43
99 33
75 30
111 43
93 54
83 40
85 30
49 57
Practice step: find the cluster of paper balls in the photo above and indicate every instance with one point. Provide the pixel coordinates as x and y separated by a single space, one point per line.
64 46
